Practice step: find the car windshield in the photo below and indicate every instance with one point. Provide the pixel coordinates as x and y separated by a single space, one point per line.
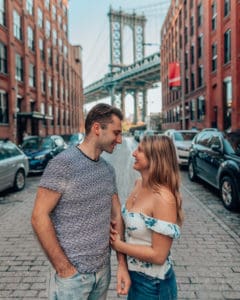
232 143
36 144
184 136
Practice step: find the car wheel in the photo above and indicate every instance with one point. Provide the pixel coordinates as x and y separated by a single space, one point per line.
228 192
19 181
191 171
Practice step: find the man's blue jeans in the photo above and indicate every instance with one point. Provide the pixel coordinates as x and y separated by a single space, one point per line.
80 286
145 287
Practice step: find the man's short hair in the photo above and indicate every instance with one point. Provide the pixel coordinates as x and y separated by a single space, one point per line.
101 113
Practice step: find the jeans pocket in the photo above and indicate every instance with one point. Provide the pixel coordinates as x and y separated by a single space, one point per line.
72 281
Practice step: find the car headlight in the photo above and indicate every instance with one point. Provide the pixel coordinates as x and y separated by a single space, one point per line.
40 157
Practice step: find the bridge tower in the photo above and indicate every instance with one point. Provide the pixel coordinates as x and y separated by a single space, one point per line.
118 20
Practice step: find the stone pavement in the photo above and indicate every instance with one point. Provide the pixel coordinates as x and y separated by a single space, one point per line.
207 257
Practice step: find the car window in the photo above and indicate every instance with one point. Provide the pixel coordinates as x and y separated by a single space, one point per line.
10 150
215 140
204 138
232 143
59 142
47 143
30 144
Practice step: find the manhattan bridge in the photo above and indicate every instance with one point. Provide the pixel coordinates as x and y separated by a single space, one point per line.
134 78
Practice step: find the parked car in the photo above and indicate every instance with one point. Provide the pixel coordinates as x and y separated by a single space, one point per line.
215 158
147 132
75 139
13 166
182 140
137 134
40 150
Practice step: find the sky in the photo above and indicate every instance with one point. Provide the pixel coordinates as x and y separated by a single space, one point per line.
89 27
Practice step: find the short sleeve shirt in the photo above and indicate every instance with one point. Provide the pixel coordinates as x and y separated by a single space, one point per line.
82 216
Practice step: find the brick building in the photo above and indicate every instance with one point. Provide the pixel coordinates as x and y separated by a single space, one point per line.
203 36
40 72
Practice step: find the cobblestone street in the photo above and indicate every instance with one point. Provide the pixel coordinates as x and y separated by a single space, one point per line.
206 258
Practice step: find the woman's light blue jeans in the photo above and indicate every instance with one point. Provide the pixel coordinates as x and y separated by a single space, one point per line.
145 287
80 286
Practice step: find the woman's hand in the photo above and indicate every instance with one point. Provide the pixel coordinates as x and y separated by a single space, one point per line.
114 237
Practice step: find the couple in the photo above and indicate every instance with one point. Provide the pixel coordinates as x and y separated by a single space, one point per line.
77 201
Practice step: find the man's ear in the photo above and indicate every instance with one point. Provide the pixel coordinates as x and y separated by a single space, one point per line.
96 128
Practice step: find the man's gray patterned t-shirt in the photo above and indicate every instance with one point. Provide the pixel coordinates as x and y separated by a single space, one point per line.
82 215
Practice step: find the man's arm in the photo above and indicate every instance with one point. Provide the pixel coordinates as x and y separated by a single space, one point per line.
45 202
123 279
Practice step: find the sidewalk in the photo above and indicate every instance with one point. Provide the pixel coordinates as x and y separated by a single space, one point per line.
207 257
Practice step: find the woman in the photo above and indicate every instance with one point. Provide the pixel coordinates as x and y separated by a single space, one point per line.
152 216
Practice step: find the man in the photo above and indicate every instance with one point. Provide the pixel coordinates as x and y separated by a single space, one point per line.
75 203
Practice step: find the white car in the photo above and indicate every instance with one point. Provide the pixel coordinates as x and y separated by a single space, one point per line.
182 140
13 166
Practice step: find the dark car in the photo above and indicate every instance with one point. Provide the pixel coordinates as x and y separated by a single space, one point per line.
215 158
40 150
13 166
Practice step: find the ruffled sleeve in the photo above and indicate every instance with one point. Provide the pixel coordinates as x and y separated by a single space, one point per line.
170 229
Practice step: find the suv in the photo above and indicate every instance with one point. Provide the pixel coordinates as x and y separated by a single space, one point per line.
215 158
13 166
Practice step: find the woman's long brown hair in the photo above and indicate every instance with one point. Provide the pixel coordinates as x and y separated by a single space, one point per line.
163 167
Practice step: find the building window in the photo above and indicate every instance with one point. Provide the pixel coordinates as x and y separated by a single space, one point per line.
186 85
43 82
192 26
47 4
200 46
192 109
192 82
214 15
227 7
41 48
60 44
201 108
49 55
227 46
30 38
185 35
54 37
2 13
199 15
186 60
3 58
192 54
214 57
50 87
19 68
32 78
29 7
40 18
54 12
60 21
17 25
47 29
3 107
200 75
227 102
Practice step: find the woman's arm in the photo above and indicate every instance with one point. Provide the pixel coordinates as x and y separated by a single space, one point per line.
164 208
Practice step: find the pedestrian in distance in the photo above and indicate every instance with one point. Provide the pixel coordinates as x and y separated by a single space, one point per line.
152 216
75 204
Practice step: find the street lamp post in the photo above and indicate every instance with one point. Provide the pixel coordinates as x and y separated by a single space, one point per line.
181 61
